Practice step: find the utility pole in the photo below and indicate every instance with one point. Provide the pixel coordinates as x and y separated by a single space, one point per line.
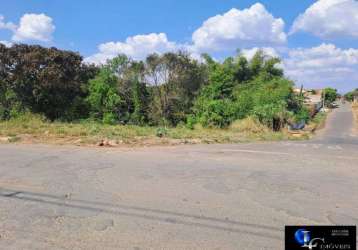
324 98
301 95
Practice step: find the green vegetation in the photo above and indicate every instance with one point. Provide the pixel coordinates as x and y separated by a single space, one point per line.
330 95
169 95
44 81
29 128
351 95
319 120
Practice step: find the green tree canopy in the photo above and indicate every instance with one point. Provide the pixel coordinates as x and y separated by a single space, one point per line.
329 95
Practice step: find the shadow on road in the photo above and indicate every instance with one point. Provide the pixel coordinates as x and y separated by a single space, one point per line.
146 213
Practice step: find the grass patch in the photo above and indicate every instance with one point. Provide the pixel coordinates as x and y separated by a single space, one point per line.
34 129
319 120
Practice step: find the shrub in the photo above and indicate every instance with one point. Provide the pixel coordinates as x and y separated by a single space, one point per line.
10 107
109 118
329 95
103 98
163 90
303 114
248 125
215 113
351 95
190 122
272 115
161 132
244 104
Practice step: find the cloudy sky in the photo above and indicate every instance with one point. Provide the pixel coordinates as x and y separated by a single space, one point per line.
317 40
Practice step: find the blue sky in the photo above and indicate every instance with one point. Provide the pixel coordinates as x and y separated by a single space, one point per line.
316 39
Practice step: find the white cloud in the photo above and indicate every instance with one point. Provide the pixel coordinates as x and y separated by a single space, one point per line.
36 27
136 47
249 53
6 43
245 28
329 19
324 65
6 25
236 28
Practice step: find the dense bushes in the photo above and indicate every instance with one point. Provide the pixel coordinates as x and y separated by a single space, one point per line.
329 95
103 99
42 80
165 90
239 88
214 112
351 95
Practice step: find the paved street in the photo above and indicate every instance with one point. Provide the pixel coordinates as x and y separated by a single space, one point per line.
183 197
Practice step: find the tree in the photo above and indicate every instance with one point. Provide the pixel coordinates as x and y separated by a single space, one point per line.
351 95
7 97
257 63
140 103
175 80
242 72
265 66
239 88
329 95
103 99
45 80
167 89
131 88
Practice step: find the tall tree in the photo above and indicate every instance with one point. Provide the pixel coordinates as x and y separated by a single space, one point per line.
175 79
46 80
103 98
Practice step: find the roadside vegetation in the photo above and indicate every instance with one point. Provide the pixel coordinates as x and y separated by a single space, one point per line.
317 122
329 95
49 94
34 129
351 95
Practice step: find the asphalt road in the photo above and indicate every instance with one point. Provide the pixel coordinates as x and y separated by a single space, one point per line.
184 197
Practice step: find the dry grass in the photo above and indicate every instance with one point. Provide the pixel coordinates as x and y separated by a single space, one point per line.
319 121
249 126
33 129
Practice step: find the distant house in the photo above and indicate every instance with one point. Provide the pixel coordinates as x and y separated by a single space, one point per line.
298 90
312 99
